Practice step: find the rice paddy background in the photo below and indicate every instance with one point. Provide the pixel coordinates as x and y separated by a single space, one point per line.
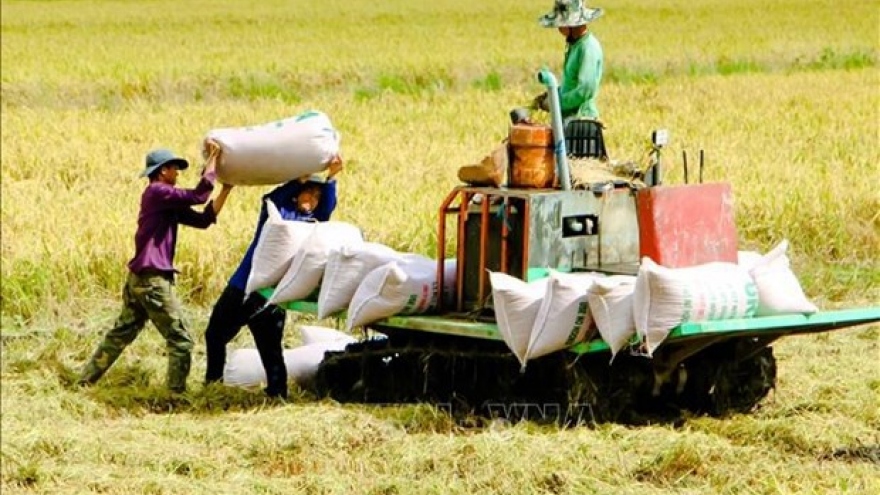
783 99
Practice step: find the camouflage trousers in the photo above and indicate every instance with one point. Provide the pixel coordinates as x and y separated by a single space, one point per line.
146 296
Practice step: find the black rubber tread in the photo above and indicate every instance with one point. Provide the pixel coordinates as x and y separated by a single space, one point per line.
486 380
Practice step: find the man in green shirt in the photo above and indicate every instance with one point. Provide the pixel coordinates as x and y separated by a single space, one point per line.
582 67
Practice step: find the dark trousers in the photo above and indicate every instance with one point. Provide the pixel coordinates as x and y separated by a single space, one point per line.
231 312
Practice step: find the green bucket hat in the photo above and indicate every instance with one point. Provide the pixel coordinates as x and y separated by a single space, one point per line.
158 158
569 13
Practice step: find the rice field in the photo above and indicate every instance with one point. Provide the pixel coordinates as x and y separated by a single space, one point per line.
782 97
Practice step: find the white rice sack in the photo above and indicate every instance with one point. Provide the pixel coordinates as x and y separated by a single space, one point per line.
302 362
611 305
244 368
667 297
779 290
369 304
307 268
564 317
276 152
406 286
516 306
346 268
279 241
748 259
312 334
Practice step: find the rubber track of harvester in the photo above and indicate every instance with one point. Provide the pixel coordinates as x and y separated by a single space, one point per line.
467 379
721 384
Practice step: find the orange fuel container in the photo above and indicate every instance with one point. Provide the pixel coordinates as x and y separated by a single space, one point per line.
532 163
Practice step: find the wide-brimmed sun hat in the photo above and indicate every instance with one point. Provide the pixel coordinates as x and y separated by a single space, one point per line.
158 158
569 13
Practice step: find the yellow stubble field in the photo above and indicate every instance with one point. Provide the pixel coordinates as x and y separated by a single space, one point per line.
782 97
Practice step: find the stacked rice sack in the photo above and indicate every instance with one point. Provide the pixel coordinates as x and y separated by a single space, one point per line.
291 255
403 286
332 262
667 297
611 303
346 268
306 270
546 315
540 317
779 290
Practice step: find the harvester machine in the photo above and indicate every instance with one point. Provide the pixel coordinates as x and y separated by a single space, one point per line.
456 358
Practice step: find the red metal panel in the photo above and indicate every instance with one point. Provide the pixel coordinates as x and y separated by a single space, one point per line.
687 225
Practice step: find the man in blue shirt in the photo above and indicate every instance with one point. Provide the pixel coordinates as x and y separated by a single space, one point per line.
298 200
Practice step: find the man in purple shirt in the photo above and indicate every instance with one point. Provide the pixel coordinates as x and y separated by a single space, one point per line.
299 200
149 288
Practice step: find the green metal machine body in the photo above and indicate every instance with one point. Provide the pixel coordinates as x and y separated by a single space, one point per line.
524 232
